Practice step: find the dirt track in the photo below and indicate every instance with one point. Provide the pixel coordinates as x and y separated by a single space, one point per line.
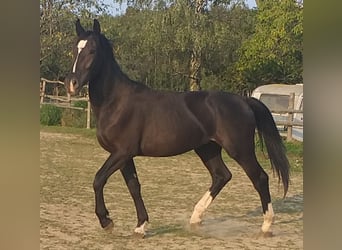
67 220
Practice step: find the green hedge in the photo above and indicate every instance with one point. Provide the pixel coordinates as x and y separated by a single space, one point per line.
81 104
50 115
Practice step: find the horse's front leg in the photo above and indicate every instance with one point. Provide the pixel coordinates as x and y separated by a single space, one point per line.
113 163
131 178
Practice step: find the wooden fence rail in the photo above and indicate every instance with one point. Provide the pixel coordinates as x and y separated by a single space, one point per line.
289 123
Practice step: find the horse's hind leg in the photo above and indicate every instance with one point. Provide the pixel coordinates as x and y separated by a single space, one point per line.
259 179
131 178
247 160
210 155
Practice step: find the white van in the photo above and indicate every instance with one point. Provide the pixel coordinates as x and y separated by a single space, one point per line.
276 97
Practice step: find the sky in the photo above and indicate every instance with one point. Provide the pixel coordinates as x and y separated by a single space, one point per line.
117 9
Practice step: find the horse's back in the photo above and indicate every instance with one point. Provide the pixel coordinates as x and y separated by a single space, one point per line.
232 109
169 126
213 107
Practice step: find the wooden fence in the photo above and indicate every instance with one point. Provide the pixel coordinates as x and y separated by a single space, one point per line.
61 100
290 123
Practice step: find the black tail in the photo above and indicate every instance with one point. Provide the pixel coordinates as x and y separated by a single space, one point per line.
268 133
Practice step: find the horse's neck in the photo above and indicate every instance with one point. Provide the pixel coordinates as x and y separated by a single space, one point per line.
108 86
100 82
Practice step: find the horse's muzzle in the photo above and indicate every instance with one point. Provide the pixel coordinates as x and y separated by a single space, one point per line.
72 85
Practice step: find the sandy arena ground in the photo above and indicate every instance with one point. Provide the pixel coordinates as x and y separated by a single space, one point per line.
170 188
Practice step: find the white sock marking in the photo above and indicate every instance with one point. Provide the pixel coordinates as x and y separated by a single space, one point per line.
141 229
200 208
81 44
268 218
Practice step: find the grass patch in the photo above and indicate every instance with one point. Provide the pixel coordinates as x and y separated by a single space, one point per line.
87 133
294 148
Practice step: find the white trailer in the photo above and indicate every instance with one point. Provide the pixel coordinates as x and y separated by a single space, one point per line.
276 97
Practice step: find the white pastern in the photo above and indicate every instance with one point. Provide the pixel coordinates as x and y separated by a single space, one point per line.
268 218
81 44
141 229
200 208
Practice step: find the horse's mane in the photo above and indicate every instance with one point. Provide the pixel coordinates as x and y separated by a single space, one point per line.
107 45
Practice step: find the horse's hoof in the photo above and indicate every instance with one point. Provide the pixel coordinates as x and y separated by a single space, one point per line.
195 226
109 226
262 234
139 231
139 235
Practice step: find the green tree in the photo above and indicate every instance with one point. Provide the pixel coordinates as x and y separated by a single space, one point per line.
274 52
230 27
182 45
57 25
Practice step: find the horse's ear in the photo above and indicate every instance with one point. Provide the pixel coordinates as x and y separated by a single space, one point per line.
96 26
79 28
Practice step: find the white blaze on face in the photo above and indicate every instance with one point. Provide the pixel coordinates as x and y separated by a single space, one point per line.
81 44
71 87
200 208
268 218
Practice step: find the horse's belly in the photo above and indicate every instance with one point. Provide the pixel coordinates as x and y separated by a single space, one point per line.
161 142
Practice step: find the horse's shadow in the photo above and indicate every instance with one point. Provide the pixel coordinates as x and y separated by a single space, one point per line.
211 227
165 229
229 226
288 205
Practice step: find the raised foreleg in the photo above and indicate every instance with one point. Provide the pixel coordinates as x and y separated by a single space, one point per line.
113 163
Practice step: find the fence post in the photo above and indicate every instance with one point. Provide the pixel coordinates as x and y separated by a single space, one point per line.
69 99
290 117
42 93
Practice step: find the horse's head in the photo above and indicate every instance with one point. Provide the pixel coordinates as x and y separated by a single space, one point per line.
88 57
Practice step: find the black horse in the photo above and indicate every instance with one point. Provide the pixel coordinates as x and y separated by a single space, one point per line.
134 120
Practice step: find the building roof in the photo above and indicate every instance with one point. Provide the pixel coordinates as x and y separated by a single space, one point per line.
280 89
